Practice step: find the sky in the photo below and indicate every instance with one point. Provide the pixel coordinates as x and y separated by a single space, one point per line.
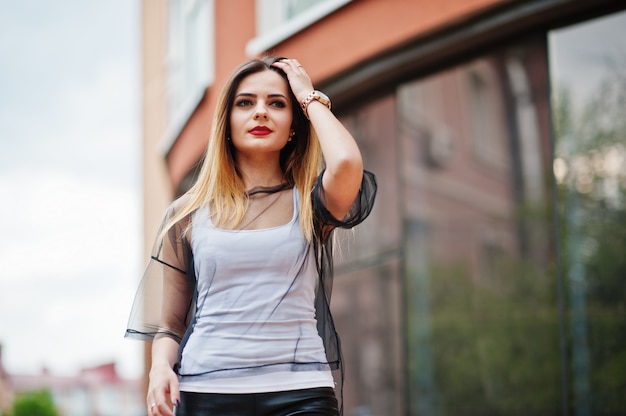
70 184
581 55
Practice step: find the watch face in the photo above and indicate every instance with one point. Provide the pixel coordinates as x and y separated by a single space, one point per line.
323 98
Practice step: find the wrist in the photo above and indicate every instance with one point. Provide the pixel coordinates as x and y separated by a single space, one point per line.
161 367
314 96
160 364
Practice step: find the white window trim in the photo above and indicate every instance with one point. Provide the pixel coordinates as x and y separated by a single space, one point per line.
266 41
178 119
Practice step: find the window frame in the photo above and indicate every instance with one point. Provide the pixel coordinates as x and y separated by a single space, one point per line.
189 62
289 27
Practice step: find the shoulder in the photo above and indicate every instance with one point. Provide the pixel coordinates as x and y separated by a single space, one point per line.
179 204
178 214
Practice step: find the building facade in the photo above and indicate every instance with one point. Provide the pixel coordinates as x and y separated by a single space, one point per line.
489 278
94 391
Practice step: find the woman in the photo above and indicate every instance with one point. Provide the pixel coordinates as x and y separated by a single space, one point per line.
236 295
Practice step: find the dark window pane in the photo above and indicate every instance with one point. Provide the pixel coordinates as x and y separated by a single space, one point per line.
482 316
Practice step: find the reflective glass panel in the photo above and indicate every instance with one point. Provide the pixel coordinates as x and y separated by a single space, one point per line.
588 74
482 321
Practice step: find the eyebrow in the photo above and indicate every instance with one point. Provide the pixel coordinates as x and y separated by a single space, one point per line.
248 94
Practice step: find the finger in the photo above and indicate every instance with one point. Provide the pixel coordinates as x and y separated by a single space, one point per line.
175 394
158 409
299 80
292 64
284 65
153 405
157 405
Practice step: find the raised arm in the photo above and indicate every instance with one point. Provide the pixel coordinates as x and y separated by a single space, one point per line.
344 165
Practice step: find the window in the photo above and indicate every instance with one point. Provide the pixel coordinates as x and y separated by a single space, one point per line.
277 20
190 60
505 307
485 110
587 67
480 321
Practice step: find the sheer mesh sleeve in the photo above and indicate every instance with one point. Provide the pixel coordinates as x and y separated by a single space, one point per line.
324 224
164 298
360 209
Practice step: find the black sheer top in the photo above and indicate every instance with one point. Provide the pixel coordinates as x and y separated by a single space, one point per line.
165 300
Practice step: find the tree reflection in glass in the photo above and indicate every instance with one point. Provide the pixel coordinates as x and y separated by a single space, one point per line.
589 116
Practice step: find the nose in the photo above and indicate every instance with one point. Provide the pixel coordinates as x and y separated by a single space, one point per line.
260 112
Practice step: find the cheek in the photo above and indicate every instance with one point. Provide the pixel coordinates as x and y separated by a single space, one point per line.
286 121
235 123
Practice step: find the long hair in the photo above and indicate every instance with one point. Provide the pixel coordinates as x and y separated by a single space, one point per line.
220 184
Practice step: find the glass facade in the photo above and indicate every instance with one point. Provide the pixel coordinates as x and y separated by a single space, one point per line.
588 73
491 277
482 316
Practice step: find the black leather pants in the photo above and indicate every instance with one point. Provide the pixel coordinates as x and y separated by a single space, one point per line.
308 402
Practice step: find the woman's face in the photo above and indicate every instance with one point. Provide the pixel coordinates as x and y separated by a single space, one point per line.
261 116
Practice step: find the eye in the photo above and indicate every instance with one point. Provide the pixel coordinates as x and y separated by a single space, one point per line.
243 102
278 104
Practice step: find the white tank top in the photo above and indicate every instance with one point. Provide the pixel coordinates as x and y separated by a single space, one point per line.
255 314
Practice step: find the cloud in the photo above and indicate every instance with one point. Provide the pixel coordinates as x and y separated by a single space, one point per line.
64 222
70 269
70 213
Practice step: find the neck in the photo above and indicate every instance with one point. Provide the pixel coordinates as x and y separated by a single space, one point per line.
259 173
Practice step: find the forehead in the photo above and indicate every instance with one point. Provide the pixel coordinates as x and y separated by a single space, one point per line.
264 82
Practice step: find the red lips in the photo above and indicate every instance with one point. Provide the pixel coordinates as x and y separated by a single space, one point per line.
260 131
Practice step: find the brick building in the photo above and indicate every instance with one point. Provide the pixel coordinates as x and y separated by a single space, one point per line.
96 391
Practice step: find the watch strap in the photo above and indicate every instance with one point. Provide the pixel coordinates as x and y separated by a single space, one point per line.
313 95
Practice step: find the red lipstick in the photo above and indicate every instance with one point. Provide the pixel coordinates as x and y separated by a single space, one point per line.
260 131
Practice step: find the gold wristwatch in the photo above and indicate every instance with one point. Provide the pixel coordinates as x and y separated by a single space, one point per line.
315 95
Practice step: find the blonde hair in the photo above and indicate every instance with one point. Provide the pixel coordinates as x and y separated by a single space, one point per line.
219 183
